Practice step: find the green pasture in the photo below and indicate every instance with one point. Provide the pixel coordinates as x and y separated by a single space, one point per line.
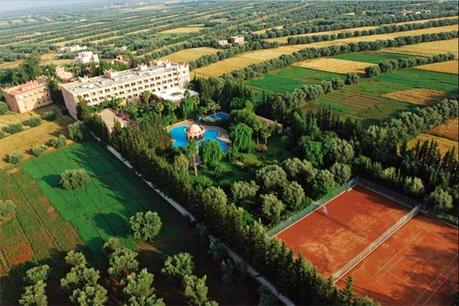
373 57
102 208
289 78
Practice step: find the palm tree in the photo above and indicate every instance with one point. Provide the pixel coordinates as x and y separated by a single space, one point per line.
191 152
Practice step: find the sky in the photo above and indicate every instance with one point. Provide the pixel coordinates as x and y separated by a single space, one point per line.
15 5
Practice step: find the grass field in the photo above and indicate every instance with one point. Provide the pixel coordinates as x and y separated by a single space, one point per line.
429 48
448 130
189 55
37 230
30 137
445 67
103 206
373 57
366 100
289 78
334 65
444 144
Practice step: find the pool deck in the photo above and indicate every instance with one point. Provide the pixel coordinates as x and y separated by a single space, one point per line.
223 134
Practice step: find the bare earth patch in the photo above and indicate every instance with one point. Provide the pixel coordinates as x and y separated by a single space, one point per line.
334 65
429 48
182 30
448 130
445 67
418 96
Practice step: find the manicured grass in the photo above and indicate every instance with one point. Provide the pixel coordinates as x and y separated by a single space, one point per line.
289 78
373 57
102 208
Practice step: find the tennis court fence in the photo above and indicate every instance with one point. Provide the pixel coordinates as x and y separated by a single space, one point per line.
375 244
312 207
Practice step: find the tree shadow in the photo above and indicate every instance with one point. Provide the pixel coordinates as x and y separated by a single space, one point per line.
113 224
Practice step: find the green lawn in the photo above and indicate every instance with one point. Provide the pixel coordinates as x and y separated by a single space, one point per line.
289 78
373 57
103 206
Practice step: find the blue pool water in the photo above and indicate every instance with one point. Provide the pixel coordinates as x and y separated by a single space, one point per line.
219 116
178 134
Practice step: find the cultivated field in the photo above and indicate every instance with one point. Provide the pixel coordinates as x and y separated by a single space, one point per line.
429 48
289 78
102 207
448 130
445 67
189 55
182 30
373 57
418 96
30 137
37 231
334 65
418 265
444 144
355 219
253 57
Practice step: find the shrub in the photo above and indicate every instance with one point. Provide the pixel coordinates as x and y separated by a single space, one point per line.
76 131
14 158
32 122
59 142
39 149
49 116
73 179
3 108
146 225
13 128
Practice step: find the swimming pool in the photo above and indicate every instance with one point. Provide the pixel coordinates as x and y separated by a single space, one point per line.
178 134
219 116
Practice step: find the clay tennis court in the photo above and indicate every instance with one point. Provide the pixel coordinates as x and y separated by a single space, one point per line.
416 266
355 219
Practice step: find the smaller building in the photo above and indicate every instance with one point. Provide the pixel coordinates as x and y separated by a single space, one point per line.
74 48
64 75
176 94
109 117
28 96
236 39
86 57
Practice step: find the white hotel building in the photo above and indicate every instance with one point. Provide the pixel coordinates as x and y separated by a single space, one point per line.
163 77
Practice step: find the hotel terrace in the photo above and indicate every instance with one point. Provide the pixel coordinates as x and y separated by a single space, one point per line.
28 96
128 84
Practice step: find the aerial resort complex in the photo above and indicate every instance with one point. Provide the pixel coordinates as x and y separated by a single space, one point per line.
209 153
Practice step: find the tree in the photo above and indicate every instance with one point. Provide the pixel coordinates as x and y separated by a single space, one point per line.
337 150
74 259
122 261
241 137
34 295
112 244
266 297
217 250
73 179
311 150
36 274
76 131
214 196
229 271
196 289
271 177
211 153
145 225
14 158
7 210
293 195
59 142
271 207
178 266
89 295
439 199
3 108
341 172
242 191
138 287
324 183
191 152
39 149
352 78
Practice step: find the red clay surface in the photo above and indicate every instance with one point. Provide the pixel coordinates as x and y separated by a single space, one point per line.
355 219
418 265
